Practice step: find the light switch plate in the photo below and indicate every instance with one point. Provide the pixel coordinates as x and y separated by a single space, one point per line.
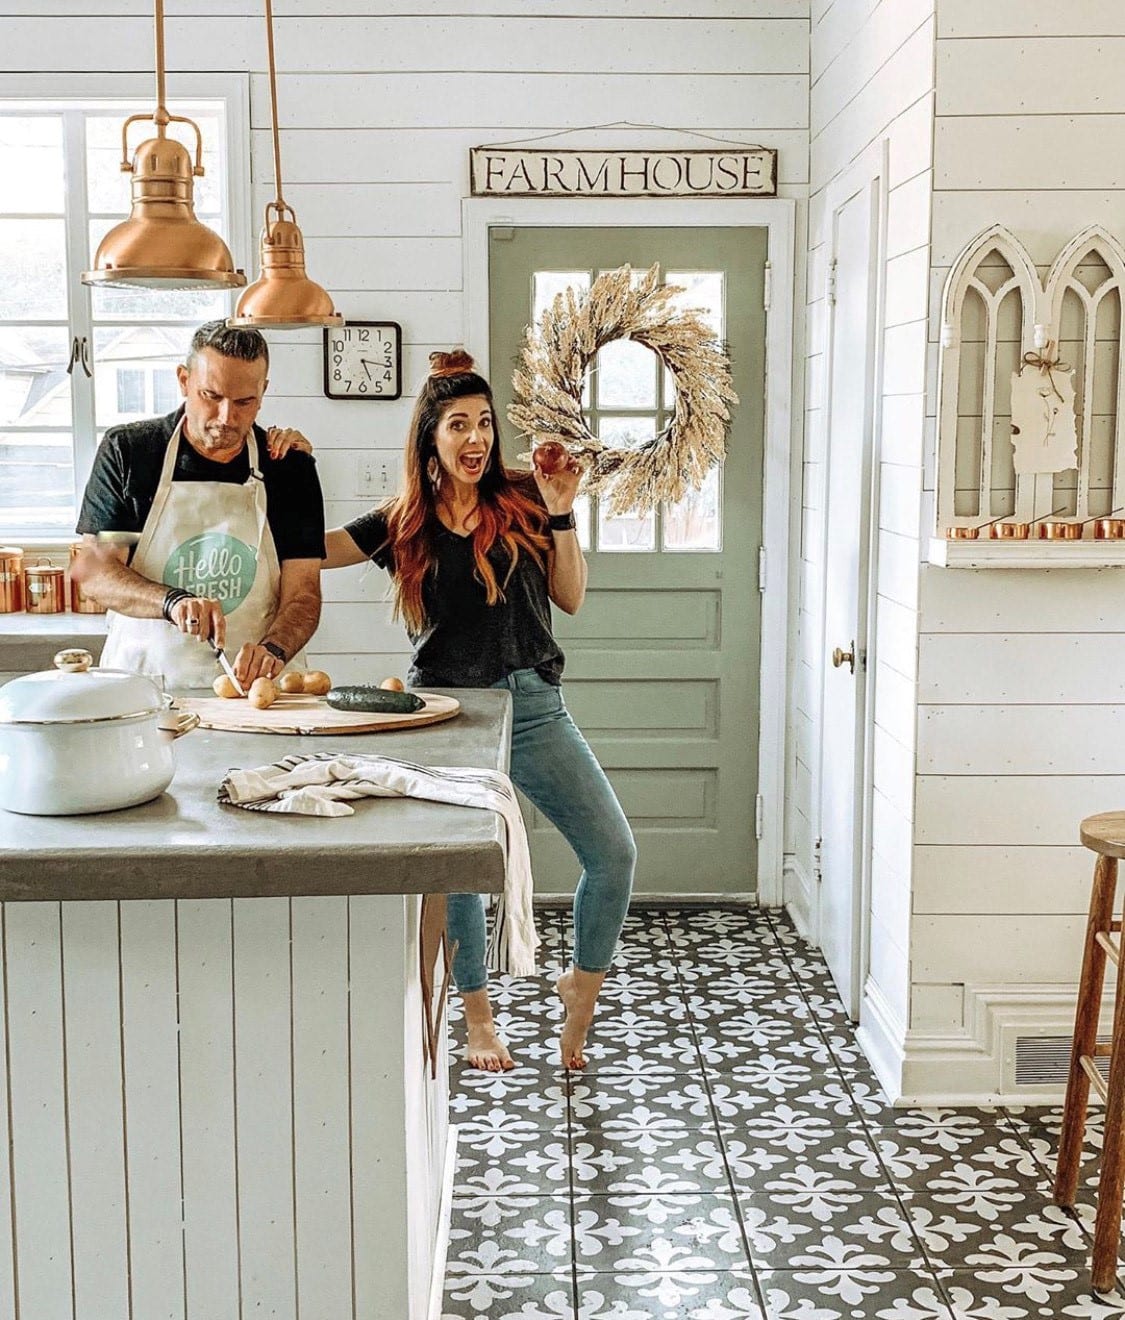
378 476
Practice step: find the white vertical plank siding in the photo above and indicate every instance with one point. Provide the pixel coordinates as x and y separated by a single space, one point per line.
40 1167
321 1112
207 1108
152 1106
264 1107
96 1106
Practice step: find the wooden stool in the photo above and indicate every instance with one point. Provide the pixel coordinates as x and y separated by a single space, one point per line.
1104 835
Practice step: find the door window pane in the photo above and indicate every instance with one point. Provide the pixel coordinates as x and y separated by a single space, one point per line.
144 352
36 480
703 291
130 391
628 532
34 385
548 284
32 177
32 270
695 523
626 375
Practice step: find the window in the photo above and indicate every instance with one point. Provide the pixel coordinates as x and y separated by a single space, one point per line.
61 190
628 398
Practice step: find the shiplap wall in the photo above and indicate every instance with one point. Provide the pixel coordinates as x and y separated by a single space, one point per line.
872 79
1020 693
379 103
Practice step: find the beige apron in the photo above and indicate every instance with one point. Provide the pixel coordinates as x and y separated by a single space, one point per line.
213 539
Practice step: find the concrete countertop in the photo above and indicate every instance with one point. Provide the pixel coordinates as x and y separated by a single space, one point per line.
184 845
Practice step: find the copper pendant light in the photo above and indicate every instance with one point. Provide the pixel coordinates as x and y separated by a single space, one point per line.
282 297
162 245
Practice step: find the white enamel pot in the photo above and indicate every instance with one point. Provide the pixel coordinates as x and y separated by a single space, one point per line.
75 740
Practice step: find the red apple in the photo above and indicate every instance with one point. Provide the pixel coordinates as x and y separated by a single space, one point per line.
549 456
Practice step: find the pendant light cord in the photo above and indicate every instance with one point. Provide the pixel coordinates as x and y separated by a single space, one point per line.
273 104
161 118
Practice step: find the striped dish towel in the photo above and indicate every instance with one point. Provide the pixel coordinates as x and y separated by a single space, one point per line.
324 784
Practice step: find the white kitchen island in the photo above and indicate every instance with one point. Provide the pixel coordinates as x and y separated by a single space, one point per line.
213 1084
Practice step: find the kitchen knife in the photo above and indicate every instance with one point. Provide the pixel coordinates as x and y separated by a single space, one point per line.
228 668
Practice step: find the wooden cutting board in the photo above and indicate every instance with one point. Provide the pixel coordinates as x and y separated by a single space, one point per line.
311 715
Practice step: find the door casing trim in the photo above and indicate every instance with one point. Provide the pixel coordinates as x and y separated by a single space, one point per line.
778 217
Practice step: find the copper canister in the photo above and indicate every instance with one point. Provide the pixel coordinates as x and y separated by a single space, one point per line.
44 588
80 602
11 579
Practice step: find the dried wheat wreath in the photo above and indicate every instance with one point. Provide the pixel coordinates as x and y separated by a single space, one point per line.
553 364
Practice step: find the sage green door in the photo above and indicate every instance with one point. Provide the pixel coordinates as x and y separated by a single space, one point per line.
662 661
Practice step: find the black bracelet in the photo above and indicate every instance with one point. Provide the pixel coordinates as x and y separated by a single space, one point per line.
172 598
561 522
275 651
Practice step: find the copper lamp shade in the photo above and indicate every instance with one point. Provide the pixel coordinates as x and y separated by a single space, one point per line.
162 245
283 297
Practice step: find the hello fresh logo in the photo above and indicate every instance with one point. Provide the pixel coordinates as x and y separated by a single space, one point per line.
215 565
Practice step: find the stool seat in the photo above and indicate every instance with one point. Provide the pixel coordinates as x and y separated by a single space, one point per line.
1104 833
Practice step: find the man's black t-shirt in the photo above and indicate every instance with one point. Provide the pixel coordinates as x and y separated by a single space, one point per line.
126 473
466 642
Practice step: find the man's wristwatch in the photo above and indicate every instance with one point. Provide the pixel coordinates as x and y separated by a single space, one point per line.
561 522
275 651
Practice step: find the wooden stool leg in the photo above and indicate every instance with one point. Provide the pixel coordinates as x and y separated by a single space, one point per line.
1111 1181
1085 1031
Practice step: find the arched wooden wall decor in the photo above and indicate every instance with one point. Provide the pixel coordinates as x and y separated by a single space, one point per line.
996 310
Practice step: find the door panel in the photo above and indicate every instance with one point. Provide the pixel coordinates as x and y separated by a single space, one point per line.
663 658
845 609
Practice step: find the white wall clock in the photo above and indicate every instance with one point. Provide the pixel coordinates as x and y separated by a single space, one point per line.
363 360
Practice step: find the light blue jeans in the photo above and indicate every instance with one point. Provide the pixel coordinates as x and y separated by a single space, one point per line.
554 767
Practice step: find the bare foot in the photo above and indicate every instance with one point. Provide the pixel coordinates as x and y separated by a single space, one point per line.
578 992
484 1049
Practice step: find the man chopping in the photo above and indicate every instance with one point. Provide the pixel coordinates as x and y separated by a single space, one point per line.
230 521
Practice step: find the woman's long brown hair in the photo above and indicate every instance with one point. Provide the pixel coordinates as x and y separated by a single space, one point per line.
508 511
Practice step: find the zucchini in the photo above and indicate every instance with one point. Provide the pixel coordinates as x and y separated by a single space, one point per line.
367 697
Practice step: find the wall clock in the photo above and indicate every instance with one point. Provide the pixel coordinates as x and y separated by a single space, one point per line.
363 360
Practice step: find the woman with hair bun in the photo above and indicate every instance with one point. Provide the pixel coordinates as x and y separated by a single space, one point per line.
477 553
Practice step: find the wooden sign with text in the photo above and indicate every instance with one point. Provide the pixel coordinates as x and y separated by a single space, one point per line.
735 172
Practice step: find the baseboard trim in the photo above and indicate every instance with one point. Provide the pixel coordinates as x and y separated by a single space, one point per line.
882 1036
982 1057
445 1216
798 897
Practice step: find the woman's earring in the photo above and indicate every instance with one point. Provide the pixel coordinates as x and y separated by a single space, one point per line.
433 471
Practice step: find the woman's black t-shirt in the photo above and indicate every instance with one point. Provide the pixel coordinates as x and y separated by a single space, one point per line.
466 642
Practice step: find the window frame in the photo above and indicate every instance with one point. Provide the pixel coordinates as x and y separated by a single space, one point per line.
50 92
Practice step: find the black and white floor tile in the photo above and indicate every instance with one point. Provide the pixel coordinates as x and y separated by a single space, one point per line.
728 1155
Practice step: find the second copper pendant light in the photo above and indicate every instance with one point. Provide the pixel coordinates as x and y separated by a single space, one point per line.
282 297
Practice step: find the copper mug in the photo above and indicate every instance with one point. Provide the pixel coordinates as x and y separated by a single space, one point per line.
45 588
80 602
11 579
962 533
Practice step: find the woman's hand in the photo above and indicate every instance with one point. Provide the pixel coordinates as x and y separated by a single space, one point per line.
559 489
281 439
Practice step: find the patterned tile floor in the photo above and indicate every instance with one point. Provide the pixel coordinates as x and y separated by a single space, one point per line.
728 1155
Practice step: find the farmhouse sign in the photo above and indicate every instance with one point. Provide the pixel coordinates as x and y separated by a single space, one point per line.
734 172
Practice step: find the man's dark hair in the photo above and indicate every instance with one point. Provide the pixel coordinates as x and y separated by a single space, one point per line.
229 341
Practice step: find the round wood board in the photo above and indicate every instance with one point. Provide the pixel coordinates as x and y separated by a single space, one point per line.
310 715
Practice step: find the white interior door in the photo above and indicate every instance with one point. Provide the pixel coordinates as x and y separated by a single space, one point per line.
851 338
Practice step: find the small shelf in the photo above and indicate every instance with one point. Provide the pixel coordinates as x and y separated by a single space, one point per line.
1026 554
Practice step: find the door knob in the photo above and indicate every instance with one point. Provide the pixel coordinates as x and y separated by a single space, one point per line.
840 657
